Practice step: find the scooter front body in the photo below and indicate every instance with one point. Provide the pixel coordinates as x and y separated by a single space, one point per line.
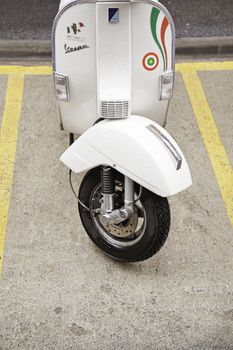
113 57
113 67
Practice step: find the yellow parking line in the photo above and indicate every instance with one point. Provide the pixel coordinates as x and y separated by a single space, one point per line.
8 144
41 70
209 132
205 66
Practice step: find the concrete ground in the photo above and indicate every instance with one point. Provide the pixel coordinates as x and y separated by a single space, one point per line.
58 291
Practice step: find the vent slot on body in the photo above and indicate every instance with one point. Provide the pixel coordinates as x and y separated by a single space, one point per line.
114 109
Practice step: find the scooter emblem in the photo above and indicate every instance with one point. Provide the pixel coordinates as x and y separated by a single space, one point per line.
69 49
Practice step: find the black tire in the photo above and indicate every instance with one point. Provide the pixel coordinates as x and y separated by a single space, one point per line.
155 229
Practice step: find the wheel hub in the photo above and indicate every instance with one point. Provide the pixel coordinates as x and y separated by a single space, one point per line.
123 234
124 229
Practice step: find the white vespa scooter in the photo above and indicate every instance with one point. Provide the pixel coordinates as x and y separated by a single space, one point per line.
113 72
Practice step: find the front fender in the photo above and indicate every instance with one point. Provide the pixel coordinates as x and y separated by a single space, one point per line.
149 158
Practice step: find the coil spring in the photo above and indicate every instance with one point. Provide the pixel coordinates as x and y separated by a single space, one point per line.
107 180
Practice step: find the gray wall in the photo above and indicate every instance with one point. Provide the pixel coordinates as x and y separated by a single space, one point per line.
25 19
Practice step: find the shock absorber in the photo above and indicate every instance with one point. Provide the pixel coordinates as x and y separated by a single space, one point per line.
108 188
111 216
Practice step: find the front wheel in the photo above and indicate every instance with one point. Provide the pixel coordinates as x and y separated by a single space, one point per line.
136 239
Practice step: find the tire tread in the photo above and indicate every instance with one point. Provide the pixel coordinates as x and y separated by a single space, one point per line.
164 225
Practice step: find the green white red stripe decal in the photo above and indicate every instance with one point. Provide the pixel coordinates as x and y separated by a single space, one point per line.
163 31
160 41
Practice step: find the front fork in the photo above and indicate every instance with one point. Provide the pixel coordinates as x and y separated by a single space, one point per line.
109 214
129 194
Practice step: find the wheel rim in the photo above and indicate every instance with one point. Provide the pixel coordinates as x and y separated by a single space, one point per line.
126 234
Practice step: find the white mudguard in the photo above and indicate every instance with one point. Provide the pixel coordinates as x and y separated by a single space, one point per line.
138 148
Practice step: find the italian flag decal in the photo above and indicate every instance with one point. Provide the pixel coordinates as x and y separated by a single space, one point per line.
159 25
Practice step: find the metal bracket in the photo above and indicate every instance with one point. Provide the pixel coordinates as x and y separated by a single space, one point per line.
61 83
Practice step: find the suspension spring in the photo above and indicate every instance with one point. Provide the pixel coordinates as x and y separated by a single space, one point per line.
107 180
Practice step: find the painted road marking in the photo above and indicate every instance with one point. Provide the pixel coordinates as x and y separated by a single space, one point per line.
9 137
205 66
37 70
208 129
218 156
8 144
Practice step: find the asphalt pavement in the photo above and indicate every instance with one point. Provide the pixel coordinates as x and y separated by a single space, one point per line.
32 20
58 291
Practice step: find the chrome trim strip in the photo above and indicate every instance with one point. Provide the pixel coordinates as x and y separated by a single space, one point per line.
168 144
